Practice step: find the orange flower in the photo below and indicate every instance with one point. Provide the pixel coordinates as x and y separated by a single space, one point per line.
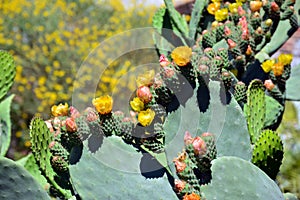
192 196
182 55
103 104
255 5
278 69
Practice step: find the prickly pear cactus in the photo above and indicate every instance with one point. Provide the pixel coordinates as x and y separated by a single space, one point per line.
7 71
17 183
235 178
268 153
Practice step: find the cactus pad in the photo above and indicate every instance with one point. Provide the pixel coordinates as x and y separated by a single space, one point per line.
268 153
7 71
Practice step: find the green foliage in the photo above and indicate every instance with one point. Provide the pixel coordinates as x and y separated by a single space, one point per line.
17 183
235 178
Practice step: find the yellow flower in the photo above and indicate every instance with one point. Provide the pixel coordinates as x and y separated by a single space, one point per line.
267 65
241 1
146 117
182 55
221 15
60 110
146 79
278 69
213 7
137 104
285 59
233 7
103 104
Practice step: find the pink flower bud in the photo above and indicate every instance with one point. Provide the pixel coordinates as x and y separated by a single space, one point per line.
199 146
163 60
51 144
241 11
227 31
144 93
168 72
207 134
49 125
71 125
180 166
74 113
91 115
274 7
269 84
231 43
188 139
179 185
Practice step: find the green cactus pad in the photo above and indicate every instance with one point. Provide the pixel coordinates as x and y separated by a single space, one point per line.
268 153
232 139
292 85
7 71
255 110
234 178
17 183
274 111
196 15
114 172
5 125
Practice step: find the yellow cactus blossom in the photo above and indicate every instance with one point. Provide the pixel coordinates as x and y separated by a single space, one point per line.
216 1
233 7
213 7
285 59
60 110
182 55
221 14
278 69
267 65
146 117
137 104
103 104
146 79
240 1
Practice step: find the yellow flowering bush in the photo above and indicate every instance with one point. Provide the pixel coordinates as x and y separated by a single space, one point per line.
182 55
145 117
103 104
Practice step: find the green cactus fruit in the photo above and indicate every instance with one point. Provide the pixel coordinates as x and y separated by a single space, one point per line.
159 131
17 183
190 152
240 92
59 164
204 162
208 39
235 51
127 128
160 113
107 124
83 128
234 178
58 150
227 79
209 52
118 120
268 153
69 140
153 145
7 71
223 53
219 32
164 95
255 110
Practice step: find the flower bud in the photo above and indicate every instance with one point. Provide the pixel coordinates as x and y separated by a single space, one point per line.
227 31
269 22
180 166
74 113
231 43
163 61
179 185
144 94
199 146
188 139
274 6
71 125
269 84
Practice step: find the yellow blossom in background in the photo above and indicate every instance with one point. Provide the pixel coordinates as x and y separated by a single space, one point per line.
137 104
60 110
146 117
221 14
213 7
233 7
146 78
278 69
268 65
241 1
103 104
181 55
285 59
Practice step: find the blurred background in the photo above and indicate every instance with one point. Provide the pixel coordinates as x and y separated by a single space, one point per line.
50 40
